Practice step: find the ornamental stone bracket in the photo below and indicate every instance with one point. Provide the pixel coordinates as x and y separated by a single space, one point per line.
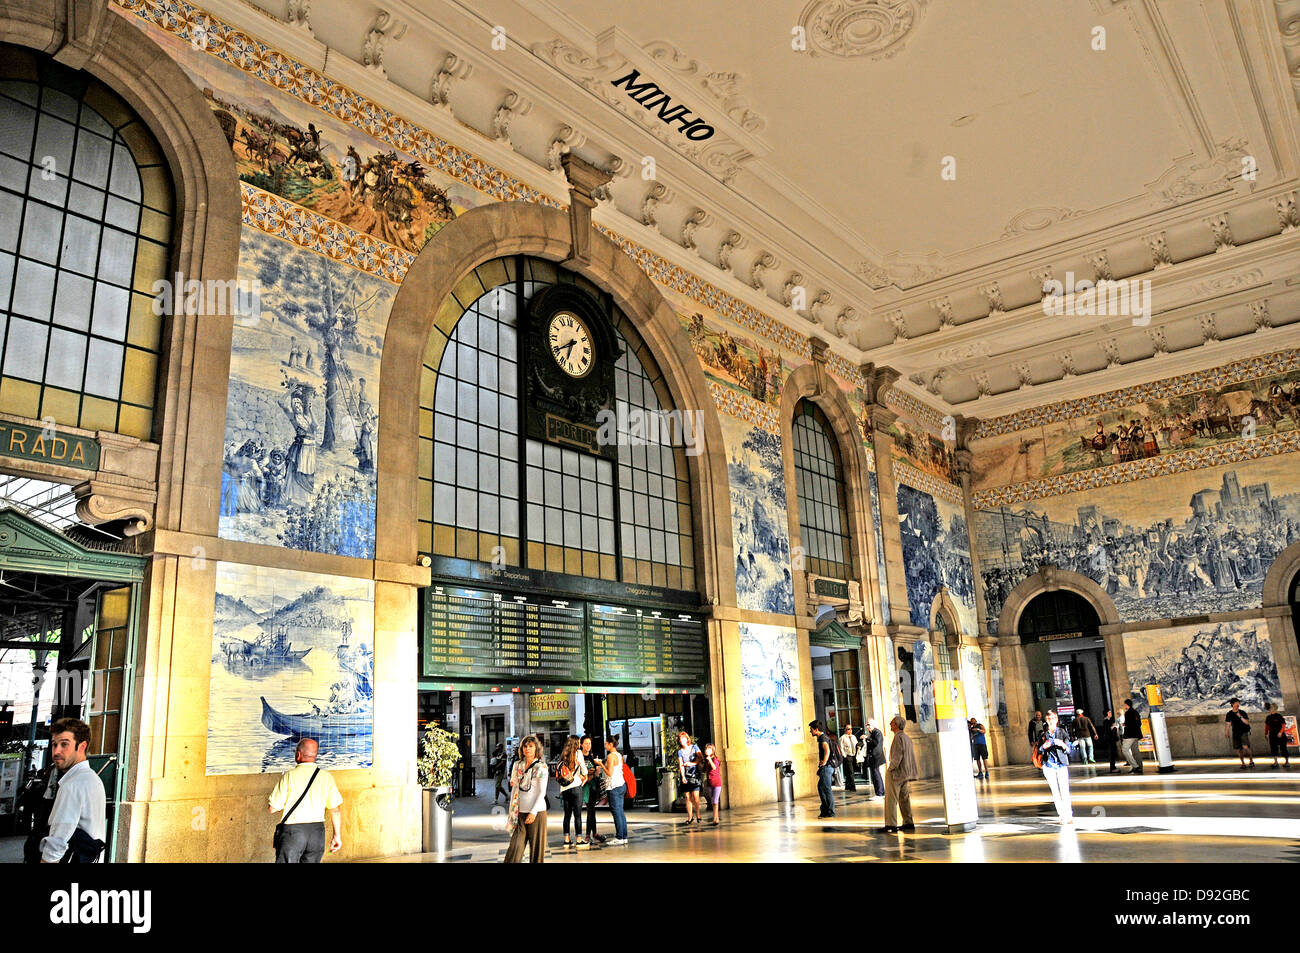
584 179
124 487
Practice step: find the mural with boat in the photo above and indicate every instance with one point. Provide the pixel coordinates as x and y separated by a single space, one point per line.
292 658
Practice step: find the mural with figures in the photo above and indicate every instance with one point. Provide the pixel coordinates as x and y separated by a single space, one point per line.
936 553
923 673
1200 668
758 517
1186 544
292 657
886 616
1139 430
769 672
999 699
735 359
301 415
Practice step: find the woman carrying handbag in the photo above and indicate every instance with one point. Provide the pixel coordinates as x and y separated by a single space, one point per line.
527 815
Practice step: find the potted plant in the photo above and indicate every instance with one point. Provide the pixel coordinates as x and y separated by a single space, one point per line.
438 760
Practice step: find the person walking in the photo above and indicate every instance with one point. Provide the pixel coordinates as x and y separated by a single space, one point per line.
849 752
688 773
1110 729
1085 733
1238 723
979 749
1036 725
305 792
875 759
1054 748
572 775
711 769
825 768
497 765
1132 737
526 817
591 793
612 770
898 787
77 818
1275 732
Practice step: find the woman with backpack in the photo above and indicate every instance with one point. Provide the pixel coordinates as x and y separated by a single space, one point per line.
1052 754
616 788
527 814
572 775
688 772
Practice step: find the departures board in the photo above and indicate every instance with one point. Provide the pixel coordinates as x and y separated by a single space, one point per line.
479 635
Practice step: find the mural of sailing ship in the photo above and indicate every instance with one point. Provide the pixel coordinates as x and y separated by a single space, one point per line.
292 658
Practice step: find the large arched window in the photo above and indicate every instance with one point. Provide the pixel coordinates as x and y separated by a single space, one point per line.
490 493
819 488
86 203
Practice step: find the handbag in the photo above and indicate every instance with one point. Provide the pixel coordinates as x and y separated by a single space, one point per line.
279 828
82 848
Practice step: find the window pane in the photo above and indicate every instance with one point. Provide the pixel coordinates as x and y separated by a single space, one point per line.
41 228
25 349
67 359
104 369
34 290
72 302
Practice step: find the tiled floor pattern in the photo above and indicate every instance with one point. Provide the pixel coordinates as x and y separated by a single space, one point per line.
1207 810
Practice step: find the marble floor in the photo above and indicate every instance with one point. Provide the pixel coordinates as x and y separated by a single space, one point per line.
1207 810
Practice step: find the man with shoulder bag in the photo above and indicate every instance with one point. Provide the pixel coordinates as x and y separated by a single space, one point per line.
77 818
305 792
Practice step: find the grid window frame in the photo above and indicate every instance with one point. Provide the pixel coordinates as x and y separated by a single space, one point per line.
820 494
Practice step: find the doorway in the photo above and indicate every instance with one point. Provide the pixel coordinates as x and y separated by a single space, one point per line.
1065 655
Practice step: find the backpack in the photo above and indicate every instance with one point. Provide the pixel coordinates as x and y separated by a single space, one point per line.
834 759
629 779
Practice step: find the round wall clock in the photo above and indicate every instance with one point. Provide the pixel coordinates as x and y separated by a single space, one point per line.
570 343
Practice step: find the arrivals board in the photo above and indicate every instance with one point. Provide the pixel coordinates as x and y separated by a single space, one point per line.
634 644
481 636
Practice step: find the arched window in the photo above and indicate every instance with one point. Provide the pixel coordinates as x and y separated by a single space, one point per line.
490 493
86 203
819 488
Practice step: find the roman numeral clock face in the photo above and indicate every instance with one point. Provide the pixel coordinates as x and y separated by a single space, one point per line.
571 344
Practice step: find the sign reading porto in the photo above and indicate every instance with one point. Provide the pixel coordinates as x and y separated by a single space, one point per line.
648 95
48 446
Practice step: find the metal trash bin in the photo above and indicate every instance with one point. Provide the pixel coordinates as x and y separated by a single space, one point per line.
437 821
785 782
667 789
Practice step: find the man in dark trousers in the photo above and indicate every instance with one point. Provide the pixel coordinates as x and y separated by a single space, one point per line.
305 792
825 768
1238 723
1132 737
1085 734
874 758
1110 729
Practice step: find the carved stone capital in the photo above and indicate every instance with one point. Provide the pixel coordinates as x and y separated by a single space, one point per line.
105 501
876 380
584 179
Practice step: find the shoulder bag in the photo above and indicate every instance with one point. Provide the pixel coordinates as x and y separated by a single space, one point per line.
279 828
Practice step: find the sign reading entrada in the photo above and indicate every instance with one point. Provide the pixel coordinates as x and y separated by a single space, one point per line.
48 446
648 95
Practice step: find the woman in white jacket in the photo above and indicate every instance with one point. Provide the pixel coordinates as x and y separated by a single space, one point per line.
527 818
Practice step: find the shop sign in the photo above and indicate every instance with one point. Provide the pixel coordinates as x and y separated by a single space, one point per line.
48 446
549 707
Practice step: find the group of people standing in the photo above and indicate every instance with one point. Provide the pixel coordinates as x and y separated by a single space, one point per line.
867 750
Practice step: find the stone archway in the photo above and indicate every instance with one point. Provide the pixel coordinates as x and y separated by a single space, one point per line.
510 228
1283 623
1015 675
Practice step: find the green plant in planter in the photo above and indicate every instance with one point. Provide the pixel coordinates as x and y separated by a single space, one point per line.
439 759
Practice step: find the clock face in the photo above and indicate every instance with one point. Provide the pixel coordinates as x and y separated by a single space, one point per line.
570 343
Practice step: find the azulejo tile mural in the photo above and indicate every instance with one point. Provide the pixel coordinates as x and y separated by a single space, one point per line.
735 360
759 521
1191 543
301 416
923 675
1156 420
1200 668
292 657
936 553
769 672
972 675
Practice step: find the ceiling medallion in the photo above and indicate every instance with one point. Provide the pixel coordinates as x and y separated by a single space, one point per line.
853 28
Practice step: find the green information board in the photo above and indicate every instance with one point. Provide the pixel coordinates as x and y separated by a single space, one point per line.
482 636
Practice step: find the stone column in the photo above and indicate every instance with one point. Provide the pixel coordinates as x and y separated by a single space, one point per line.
1015 684
996 694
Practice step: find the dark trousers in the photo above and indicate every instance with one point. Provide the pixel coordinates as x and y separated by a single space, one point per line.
850 782
530 837
301 844
572 799
1114 751
593 795
877 781
825 775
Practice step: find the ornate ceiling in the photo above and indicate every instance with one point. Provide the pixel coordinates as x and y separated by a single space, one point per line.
920 169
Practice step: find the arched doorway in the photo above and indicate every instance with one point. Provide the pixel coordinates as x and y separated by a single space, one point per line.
1064 654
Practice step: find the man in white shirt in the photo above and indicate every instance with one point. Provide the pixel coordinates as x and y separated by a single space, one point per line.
303 841
849 752
78 798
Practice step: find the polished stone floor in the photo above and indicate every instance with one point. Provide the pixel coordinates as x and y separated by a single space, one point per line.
1208 810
